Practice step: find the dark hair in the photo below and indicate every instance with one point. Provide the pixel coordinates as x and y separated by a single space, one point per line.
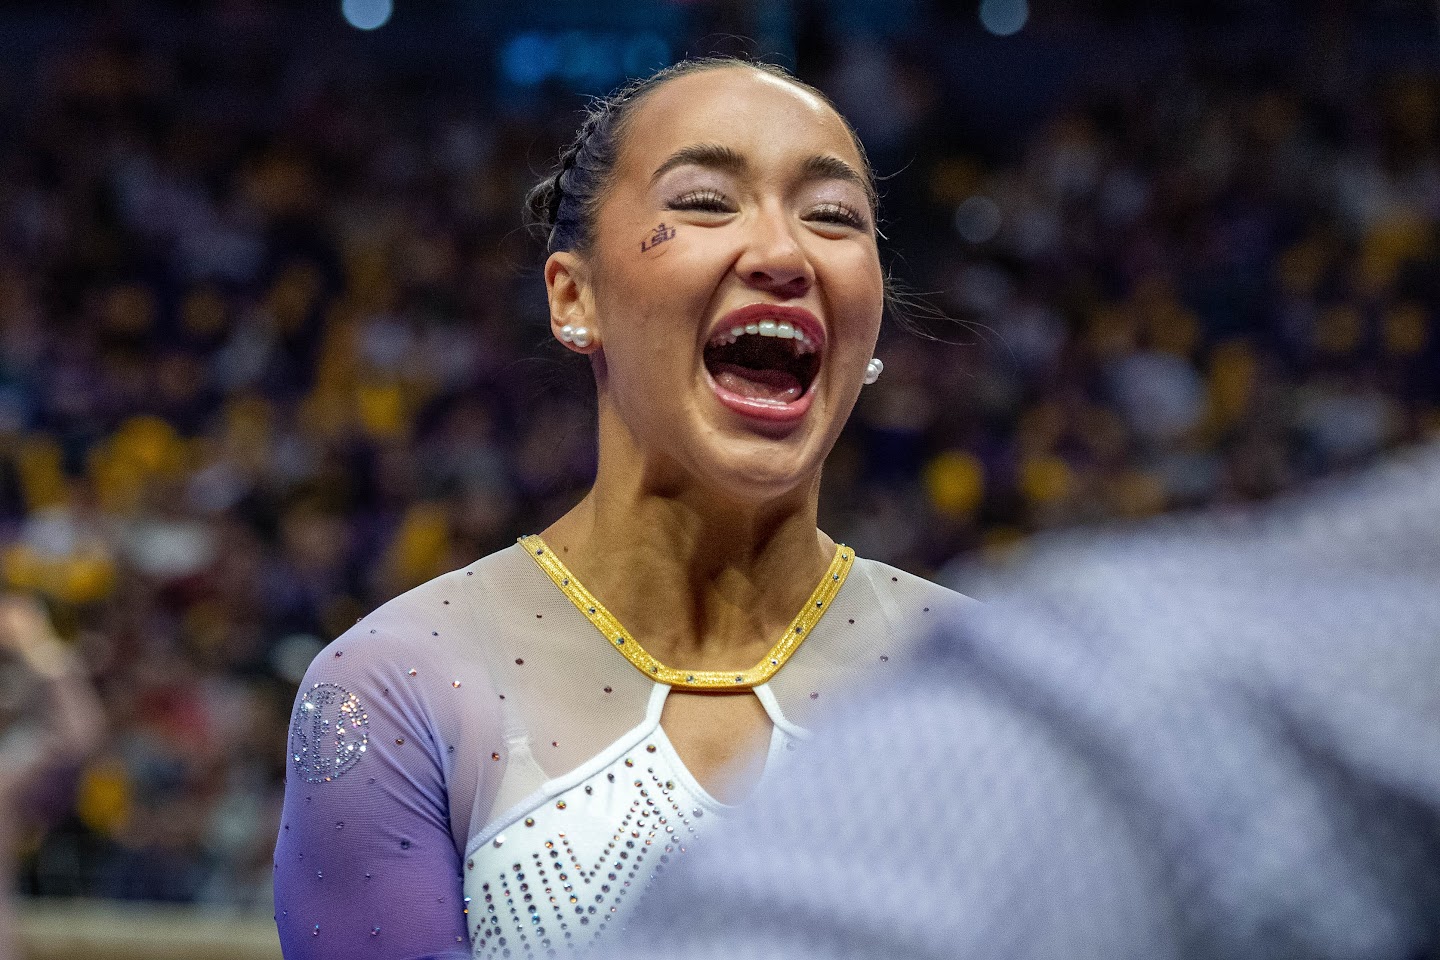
564 204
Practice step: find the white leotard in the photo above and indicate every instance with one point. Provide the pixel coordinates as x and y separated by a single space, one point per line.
445 720
566 864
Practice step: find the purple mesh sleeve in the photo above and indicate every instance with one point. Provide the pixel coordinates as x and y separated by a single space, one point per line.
366 864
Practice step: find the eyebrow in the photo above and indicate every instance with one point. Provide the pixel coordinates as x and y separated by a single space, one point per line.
719 157
711 155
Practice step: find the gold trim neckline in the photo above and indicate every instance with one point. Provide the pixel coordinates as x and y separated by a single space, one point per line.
620 639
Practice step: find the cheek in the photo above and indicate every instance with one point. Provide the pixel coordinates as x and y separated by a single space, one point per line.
857 289
662 273
657 241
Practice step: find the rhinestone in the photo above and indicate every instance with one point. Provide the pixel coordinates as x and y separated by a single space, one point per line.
884 659
412 671
495 756
690 678
499 841
560 805
529 821
739 679
399 741
697 813
650 748
405 844
455 684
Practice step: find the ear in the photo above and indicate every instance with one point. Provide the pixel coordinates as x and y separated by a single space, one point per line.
567 286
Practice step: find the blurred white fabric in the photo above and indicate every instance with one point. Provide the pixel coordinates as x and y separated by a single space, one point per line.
1211 737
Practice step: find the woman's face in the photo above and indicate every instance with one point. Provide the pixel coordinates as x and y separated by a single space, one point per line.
733 284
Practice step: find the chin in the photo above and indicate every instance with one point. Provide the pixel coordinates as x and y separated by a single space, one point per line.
759 470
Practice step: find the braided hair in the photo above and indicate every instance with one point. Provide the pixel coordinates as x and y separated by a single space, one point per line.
562 207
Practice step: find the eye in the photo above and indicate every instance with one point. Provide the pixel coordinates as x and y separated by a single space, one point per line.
839 213
708 201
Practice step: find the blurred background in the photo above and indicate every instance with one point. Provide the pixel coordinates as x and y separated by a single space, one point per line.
274 345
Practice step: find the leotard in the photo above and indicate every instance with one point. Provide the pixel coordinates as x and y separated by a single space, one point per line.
474 767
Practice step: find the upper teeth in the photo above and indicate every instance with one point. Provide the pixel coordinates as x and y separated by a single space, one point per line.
767 328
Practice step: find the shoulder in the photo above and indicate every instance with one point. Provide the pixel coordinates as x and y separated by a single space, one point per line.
437 617
908 596
424 645
912 610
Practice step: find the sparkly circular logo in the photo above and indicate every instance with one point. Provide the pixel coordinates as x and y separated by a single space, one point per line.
327 733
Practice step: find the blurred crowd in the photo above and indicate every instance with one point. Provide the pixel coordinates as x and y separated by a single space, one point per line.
273 349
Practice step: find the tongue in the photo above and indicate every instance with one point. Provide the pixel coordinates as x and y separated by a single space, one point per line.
776 386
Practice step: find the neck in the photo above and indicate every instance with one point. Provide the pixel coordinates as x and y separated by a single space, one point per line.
701 581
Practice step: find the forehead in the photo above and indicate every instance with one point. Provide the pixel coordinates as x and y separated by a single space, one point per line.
758 114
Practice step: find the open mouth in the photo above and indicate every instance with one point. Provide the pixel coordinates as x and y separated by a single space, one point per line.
767 363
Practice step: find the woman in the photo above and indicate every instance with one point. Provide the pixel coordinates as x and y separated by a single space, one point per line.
503 756
50 718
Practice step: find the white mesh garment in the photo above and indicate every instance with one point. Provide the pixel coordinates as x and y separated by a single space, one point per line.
483 701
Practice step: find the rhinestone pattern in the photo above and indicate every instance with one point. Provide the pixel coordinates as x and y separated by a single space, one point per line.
570 869
328 734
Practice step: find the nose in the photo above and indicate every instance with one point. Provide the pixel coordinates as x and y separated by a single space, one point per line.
773 259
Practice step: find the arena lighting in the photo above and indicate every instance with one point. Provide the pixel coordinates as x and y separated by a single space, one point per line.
1004 17
585 60
367 14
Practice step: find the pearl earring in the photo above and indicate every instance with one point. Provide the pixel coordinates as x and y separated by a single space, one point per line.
873 369
580 336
